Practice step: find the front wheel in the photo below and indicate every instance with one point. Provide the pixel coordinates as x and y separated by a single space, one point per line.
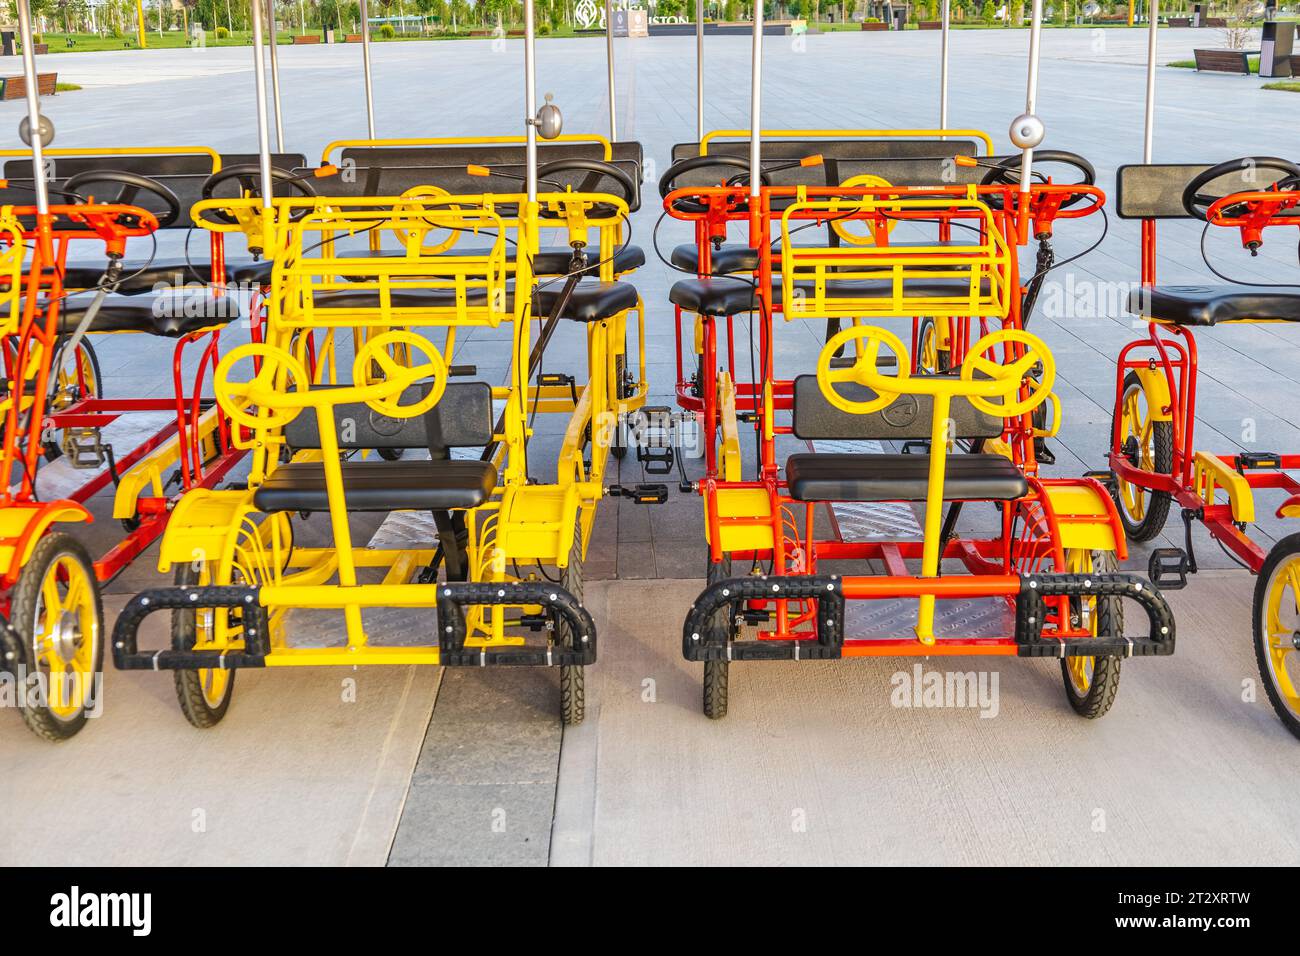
203 693
1148 445
58 628
573 687
1091 683
1276 619
716 673
931 356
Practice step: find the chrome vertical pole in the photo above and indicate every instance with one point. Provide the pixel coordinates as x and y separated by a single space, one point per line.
33 106
755 104
263 133
945 15
1149 127
1027 130
365 66
530 103
275 75
609 67
699 70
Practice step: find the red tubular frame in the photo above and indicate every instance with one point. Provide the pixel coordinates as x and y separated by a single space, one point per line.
1179 362
51 241
994 563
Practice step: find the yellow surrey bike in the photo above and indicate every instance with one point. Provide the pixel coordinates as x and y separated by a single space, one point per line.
471 523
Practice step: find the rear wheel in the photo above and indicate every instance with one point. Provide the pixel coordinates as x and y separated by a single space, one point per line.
203 693
1091 683
1276 620
1148 445
930 357
58 624
716 673
76 379
573 690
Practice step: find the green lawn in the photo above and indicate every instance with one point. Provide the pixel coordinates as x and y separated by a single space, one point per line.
1288 86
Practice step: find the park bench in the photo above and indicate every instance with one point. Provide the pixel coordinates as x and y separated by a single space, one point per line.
1219 23
1224 61
352 38
930 25
15 87
1179 22
868 25
298 39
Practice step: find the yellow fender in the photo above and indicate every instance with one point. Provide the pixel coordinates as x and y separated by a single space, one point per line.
1156 388
23 525
203 526
1086 515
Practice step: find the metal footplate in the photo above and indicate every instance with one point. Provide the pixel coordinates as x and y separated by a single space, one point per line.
702 642
127 657
453 598
1030 611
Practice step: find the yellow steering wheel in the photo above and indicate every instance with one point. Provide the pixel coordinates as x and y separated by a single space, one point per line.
274 370
867 341
378 351
1008 378
841 226
414 204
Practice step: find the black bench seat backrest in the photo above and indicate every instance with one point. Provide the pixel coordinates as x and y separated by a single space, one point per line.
906 418
392 170
1155 191
182 173
461 419
900 162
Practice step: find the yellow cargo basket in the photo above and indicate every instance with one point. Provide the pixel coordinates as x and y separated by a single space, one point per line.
879 281
414 282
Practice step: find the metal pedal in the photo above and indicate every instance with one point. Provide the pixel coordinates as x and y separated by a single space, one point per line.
642 494
84 449
652 431
1168 568
1105 478
1258 459
1042 454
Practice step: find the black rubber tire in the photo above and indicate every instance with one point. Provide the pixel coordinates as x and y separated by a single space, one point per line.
189 684
1157 513
717 673
1104 684
617 448
573 688
1287 548
943 356
390 454
53 450
24 599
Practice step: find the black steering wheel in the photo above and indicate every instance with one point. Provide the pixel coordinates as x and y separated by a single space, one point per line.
129 187
1198 203
667 182
1005 171
249 177
596 170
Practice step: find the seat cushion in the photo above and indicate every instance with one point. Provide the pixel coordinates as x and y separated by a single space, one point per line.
172 314
591 301
730 258
715 296
816 477
380 486
138 277
252 273
1211 304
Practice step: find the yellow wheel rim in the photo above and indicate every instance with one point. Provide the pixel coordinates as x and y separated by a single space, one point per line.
1282 631
65 636
1080 669
67 379
929 349
1136 424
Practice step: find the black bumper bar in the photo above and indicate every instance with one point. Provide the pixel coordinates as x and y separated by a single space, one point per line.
702 640
452 599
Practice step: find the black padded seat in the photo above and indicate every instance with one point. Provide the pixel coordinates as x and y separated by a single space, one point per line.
553 261
730 258
1211 304
138 277
251 273
838 477
591 301
724 295
380 486
171 314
